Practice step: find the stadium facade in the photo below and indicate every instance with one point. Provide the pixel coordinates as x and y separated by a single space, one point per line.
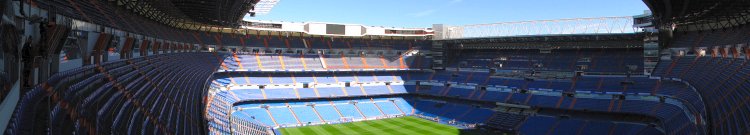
194 67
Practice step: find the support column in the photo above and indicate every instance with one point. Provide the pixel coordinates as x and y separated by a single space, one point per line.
155 48
127 48
143 50
437 54
11 51
85 45
99 49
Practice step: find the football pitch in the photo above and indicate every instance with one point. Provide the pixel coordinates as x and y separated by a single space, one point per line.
393 126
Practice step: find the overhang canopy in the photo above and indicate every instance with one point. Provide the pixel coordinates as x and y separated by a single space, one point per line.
700 14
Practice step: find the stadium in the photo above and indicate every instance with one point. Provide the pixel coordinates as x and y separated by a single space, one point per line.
198 67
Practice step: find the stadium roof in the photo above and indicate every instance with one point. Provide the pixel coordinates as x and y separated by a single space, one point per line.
549 38
614 40
700 14
264 7
207 12
573 26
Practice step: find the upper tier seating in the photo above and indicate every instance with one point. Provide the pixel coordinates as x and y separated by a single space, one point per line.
596 60
227 78
597 84
721 80
710 38
284 42
723 84
281 62
155 94
307 93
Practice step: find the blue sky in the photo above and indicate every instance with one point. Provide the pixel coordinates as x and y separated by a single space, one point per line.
424 13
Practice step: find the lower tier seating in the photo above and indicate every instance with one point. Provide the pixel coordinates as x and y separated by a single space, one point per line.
681 112
539 125
318 112
461 114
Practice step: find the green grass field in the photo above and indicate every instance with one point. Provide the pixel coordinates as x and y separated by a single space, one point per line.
393 126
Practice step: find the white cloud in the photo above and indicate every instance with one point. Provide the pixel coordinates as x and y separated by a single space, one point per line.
422 13
455 1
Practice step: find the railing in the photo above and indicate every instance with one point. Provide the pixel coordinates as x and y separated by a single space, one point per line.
8 105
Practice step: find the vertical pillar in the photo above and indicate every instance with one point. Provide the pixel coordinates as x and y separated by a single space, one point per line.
155 48
85 46
144 46
100 48
127 48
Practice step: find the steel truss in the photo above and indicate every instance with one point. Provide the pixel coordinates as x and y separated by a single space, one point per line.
600 25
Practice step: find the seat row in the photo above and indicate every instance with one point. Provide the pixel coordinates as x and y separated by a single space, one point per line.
148 95
288 114
227 39
225 78
538 125
723 84
588 60
281 62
